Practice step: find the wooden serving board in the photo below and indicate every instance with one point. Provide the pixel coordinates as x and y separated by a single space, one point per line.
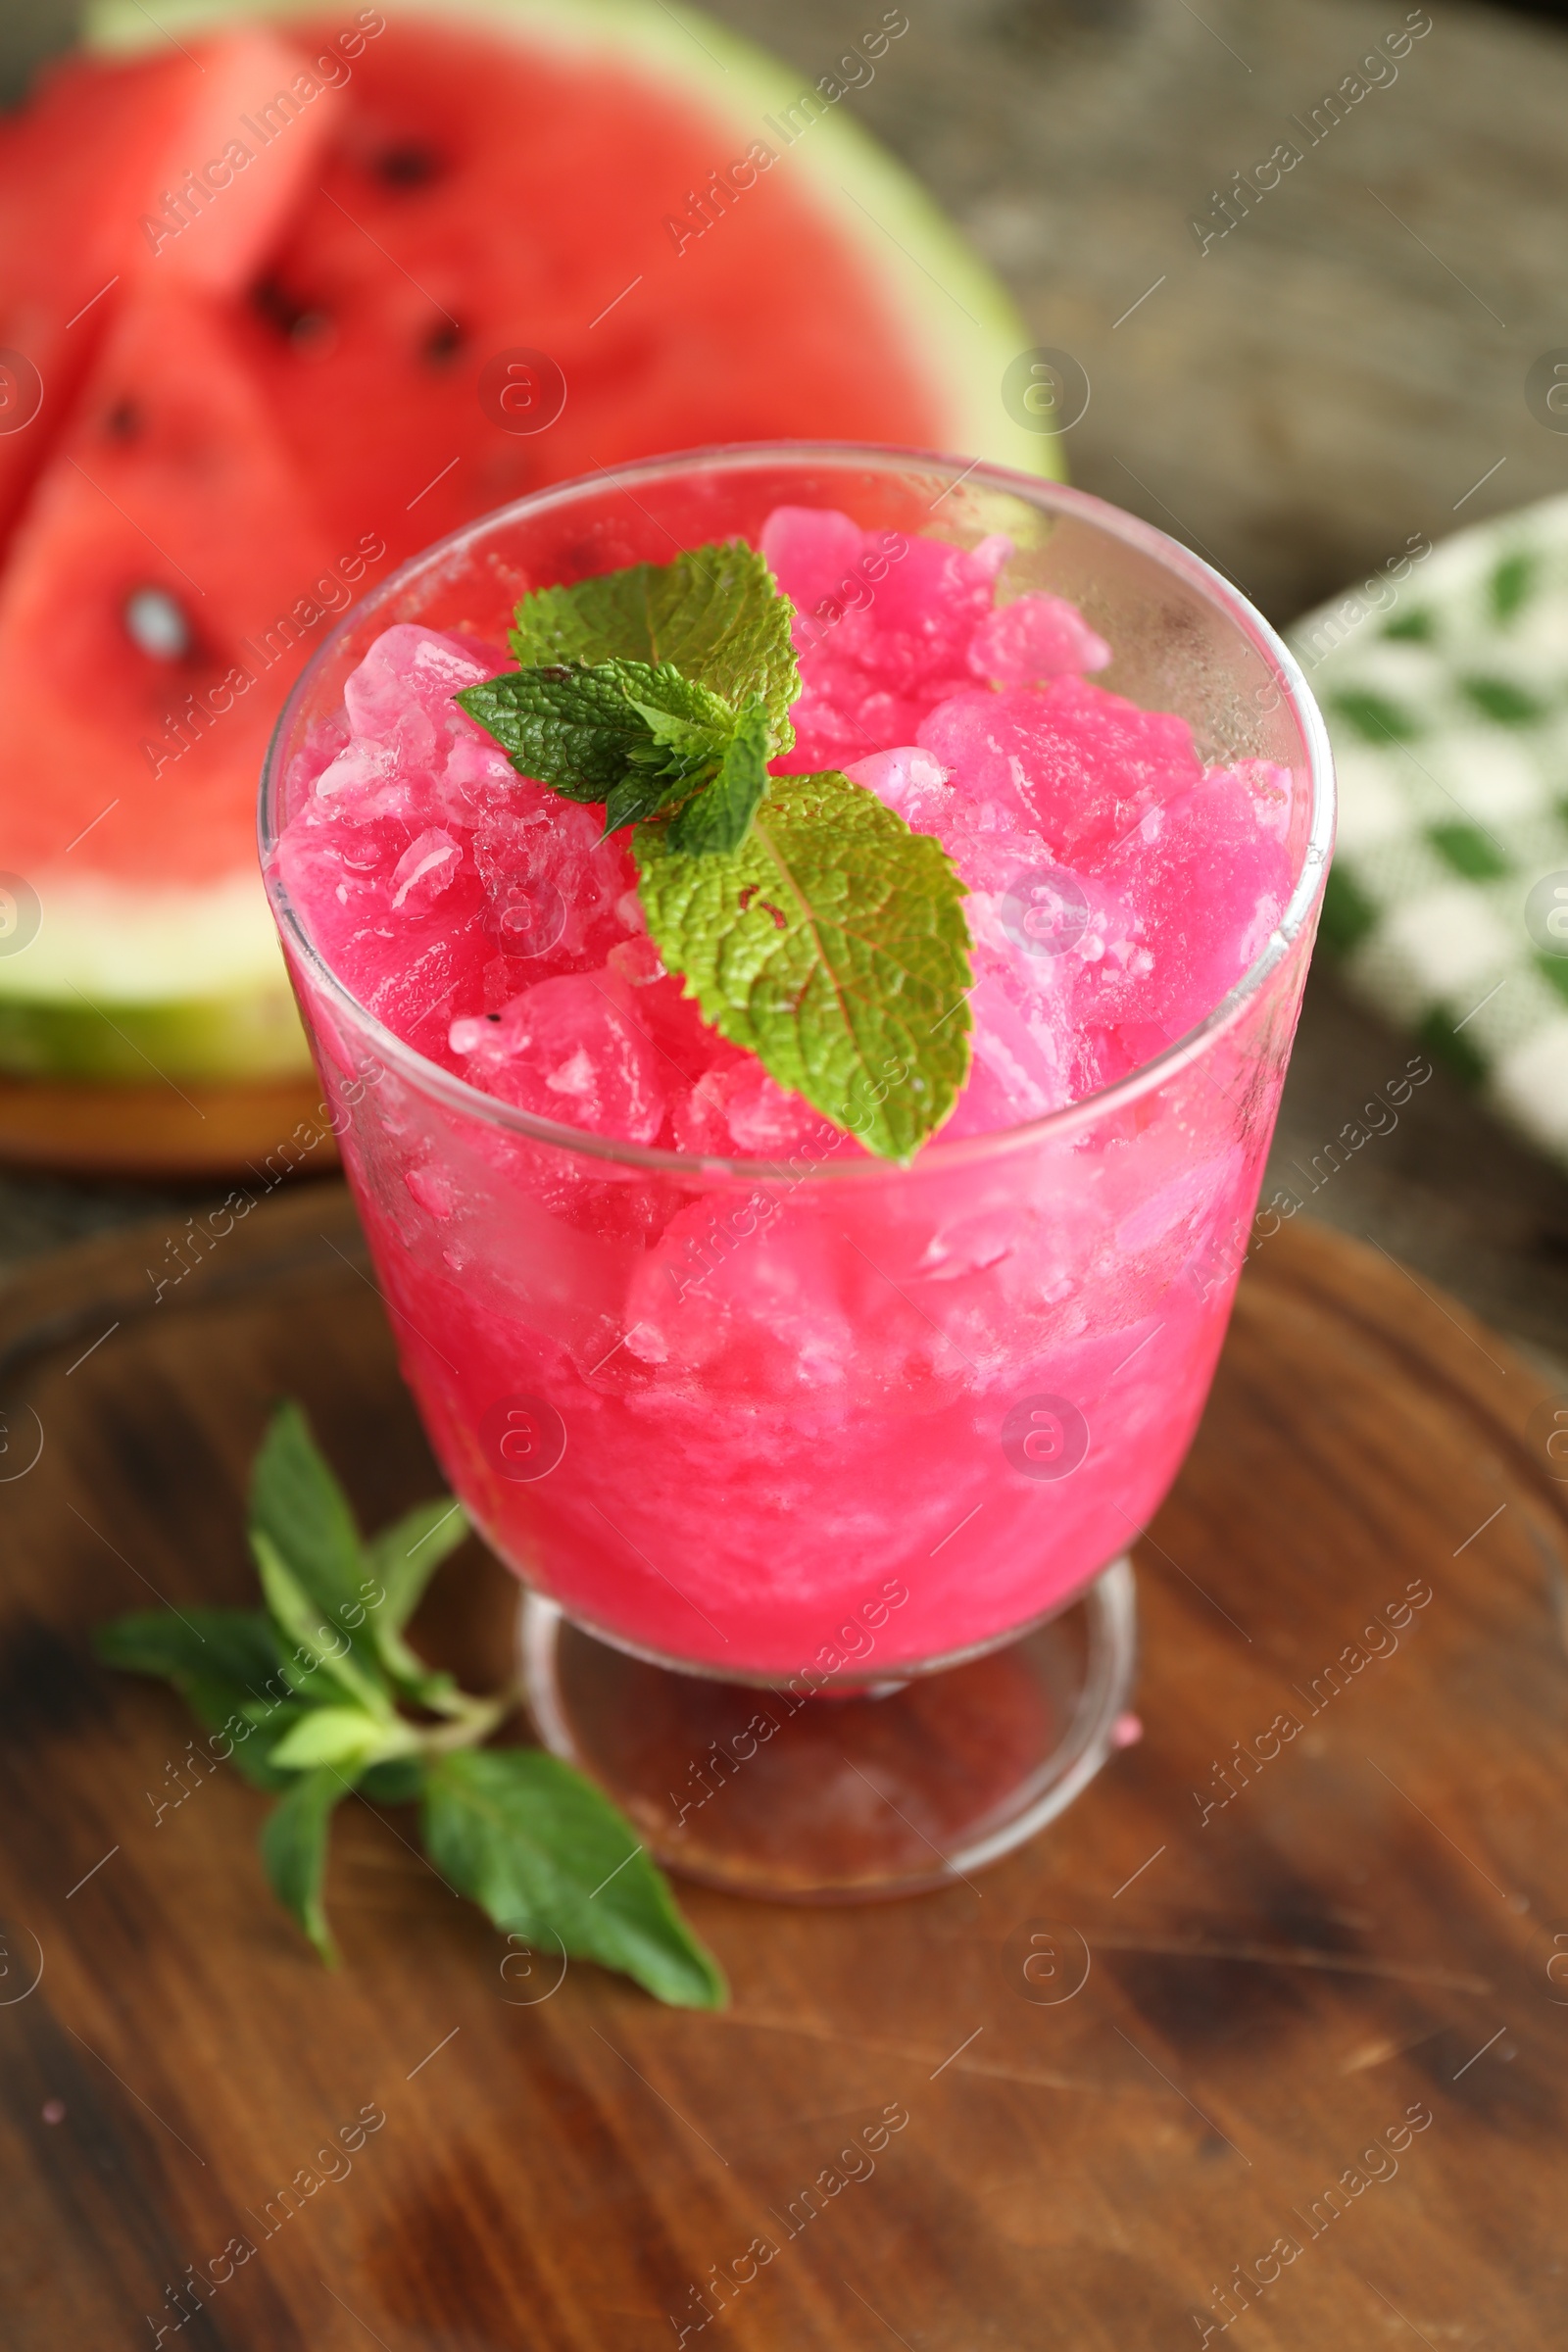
154 1131
1130 2058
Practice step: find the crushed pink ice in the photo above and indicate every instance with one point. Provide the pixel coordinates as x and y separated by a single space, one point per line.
1118 886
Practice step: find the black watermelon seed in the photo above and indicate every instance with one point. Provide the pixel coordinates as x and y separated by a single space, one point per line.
301 323
408 165
444 342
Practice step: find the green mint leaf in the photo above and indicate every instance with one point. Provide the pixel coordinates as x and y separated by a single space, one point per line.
403 1557
570 728
249 1733
715 615
546 1855
639 794
715 820
586 730
832 945
421 1684
239 1643
301 1622
299 1507
682 754
227 1666
680 711
397 1782
681 749
568 725
344 1735
294 1851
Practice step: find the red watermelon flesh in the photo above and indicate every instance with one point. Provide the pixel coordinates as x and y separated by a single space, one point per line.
90 163
172 480
520 193
64 231
240 159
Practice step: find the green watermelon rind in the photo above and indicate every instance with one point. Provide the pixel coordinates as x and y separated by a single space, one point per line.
103 996
202 1041
103 987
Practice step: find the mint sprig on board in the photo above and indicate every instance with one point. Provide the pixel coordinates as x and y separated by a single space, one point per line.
812 927
319 1695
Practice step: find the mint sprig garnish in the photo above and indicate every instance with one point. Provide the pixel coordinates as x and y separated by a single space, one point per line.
830 944
592 728
810 924
715 615
310 1697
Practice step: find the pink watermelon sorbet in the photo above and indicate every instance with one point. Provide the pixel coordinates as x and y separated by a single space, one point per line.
714 1410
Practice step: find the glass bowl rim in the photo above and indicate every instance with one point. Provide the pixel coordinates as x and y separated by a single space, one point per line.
736 455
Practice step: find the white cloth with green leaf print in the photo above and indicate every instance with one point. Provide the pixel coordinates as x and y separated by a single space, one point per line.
1443 679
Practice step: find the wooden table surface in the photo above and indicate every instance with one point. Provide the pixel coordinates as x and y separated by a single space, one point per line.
1288 1988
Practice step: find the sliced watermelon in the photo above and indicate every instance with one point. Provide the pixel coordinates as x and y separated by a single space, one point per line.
144 835
297 378
250 150
77 235
63 236
769 322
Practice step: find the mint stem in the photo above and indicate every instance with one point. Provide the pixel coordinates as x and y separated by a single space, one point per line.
473 1726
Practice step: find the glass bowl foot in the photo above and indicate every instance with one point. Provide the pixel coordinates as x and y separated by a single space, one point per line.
853 1795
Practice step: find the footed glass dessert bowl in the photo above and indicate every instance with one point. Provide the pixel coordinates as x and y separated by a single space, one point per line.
811 1331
